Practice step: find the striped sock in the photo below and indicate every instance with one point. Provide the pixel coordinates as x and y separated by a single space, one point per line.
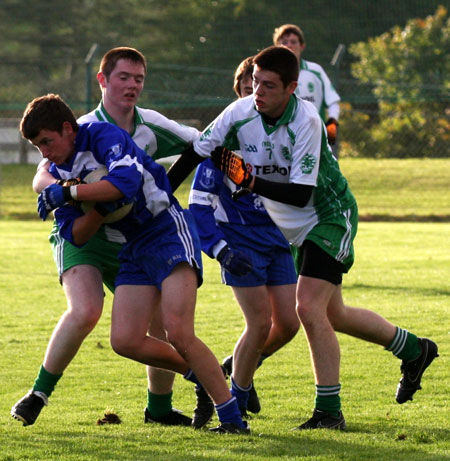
405 345
328 399
190 376
241 394
228 412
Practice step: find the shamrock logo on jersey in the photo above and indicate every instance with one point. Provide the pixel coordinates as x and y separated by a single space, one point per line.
310 87
286 154
307 164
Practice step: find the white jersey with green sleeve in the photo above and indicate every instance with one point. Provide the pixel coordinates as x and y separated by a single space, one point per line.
154 133
295 150
315 86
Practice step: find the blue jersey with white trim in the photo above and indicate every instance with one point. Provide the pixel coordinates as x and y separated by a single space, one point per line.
138 177
211 203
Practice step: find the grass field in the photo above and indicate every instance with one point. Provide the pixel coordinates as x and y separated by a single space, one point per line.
401 271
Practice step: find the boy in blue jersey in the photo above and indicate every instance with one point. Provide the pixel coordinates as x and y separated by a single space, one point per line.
256 262
83 271
286 160
160 259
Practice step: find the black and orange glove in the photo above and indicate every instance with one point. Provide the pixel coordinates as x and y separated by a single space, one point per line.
233 165
332 128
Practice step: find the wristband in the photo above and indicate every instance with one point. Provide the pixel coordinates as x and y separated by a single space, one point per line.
73 192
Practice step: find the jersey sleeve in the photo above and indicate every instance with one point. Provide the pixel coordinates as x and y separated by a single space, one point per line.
203 200
330 95
217 133
124 159
171 137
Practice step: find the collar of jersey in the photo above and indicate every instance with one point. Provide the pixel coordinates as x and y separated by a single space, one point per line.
286 118
303 64
103 116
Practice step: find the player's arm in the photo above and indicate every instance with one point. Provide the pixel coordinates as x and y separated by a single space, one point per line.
182 167
55 196
76 227
233 166
86 226
43 178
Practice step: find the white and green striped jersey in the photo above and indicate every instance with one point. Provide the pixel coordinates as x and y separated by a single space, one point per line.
157 135
315 86
295 150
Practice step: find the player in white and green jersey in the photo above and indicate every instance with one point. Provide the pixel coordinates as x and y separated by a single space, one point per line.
287 161
82 270
313 83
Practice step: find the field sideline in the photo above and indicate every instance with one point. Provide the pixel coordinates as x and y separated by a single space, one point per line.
401 271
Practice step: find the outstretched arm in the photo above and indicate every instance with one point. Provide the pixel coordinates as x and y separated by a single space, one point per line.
181 169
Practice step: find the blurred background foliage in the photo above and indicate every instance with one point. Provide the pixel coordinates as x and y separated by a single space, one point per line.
392 71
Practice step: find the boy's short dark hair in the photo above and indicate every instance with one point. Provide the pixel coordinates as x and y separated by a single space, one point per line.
281 60
287 29
47 112
109 60
244 70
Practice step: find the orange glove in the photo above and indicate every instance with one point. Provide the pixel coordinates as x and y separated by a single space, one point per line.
332 127
232 164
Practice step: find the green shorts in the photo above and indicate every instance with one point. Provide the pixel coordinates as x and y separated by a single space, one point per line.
335 237
98 252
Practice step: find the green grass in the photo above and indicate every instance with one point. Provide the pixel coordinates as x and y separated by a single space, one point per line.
414 189
401 271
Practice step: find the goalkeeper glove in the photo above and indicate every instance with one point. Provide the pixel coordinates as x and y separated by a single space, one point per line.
233 261
233 165
332 126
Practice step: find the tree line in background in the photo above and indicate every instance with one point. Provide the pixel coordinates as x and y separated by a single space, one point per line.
393 80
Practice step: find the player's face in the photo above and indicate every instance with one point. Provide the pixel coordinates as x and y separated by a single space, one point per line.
246 86
292 42
123 86
54 146
269 93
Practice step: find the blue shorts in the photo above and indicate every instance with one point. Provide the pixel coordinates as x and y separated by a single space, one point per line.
268 251
169 239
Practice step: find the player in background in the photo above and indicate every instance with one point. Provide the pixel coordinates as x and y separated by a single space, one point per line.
82 270
313 83
256 262
242 82
291 167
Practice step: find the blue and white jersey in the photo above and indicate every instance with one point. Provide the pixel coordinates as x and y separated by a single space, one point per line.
139 178
211 204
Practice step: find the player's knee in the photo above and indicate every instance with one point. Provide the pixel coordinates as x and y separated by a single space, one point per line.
259 327
86 317
123 345
181 338
306 311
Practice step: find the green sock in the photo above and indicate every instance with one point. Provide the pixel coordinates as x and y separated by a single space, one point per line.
45 381
159 405
405 345
328 399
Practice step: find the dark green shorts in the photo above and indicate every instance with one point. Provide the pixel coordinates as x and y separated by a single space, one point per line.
335 237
